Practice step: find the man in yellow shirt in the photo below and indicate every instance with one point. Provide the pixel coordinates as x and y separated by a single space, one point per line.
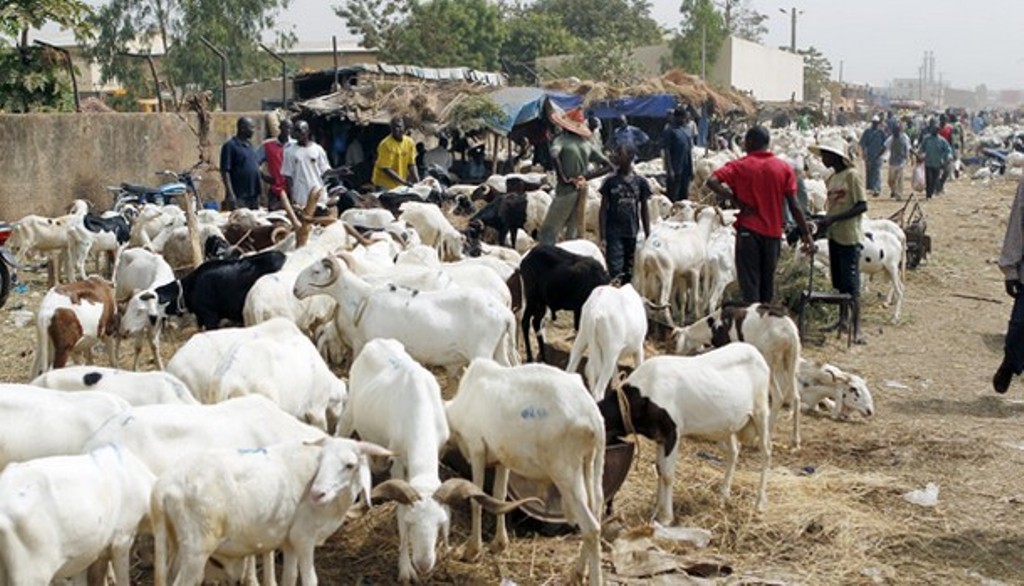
396 158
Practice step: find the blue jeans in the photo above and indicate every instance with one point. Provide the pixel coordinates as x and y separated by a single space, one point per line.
1013 348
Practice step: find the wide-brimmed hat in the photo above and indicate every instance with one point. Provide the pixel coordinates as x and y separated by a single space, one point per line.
835 149
572 120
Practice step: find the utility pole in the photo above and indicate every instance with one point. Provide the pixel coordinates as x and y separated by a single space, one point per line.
840 71
704 52
793 13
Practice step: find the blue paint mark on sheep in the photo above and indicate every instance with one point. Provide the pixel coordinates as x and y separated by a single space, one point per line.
245 451
533 413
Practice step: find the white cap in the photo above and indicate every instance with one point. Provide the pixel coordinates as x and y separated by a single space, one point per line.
875 118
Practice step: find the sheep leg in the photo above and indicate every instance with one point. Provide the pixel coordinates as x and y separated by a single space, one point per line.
406 573
154 345
666 465
306 568
538 330
120 554
574 499
525 323
500 542
269 569
764 436
478 463
290 567
732 453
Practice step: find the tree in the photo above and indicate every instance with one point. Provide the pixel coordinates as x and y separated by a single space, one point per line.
530 35
234 26
447 33
817 73
603 60
702 26
374 21
31 77
744 22
626 22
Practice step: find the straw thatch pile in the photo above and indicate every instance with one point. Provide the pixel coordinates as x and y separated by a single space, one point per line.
420 103
687 88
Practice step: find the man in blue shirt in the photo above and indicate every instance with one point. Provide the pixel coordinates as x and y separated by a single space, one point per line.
872 142
629 136
677 146
239 168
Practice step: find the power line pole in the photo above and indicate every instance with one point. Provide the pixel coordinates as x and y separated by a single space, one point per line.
793 12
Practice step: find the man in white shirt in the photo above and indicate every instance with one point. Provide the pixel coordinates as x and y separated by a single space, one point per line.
304 167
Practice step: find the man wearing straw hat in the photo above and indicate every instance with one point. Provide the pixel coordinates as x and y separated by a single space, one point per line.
843 209
571 152
757 185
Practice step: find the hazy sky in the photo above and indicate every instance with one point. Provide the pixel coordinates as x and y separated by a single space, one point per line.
876 40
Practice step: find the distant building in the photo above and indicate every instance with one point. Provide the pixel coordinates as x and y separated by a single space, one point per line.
769 75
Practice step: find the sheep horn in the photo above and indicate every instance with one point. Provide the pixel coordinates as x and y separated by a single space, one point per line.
396 490
457 489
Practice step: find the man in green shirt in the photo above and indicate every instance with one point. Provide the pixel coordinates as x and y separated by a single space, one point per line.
571 152
936 152
843 209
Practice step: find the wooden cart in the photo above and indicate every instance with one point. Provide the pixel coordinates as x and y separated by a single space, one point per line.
911 219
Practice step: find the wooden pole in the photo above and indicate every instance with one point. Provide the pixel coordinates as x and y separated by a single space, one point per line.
302 236
189 202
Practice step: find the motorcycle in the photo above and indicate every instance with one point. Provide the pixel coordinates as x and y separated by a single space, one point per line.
7 263
132 195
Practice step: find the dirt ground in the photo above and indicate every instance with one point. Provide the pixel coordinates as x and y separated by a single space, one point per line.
835 512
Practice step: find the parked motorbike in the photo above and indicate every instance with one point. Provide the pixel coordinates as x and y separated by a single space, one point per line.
7 263
132 195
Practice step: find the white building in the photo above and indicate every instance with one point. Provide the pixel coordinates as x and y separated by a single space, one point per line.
770 75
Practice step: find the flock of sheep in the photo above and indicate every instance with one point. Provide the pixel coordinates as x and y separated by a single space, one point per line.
240 445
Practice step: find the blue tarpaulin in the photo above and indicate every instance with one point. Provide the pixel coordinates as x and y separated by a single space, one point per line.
524 104
653 106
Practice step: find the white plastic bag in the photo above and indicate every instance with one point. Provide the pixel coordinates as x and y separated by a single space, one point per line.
917 183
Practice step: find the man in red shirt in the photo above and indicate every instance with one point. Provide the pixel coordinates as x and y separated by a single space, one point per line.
757 185
272 153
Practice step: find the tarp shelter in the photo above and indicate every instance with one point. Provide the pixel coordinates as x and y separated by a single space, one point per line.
652 106
525 104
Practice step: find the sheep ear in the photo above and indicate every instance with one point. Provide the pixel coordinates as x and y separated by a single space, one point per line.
396 490
457 489
317 442
373 450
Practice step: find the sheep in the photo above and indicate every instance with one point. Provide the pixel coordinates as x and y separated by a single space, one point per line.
396 403
138 269
841 392
233 503
769 329
543 424
718 396
613 325
138 388
434 229
552 278
59 515
72 319
439 328
284 366
882 253
36 422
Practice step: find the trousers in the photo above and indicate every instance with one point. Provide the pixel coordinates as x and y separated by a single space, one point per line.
757 256
561 214
1013 347
619 252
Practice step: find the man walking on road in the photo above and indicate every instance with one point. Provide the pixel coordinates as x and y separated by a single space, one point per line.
1011 262
936 153
872 142
898 147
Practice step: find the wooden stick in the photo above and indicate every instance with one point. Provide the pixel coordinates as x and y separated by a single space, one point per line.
977 298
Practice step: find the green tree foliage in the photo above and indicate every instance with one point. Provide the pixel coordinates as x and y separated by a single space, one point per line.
744 21
603 60
530 35
626 22
700 17
176 26
446 33
817 73
375 21
34 78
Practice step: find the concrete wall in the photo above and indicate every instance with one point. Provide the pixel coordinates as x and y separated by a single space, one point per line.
52 159
771 75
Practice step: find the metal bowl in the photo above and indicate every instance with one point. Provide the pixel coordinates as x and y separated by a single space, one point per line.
617 460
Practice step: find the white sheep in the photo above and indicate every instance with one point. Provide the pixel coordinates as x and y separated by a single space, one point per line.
718 396
543 424
841 392
613 325
769 329
138 388
396 403
61 514
434 229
